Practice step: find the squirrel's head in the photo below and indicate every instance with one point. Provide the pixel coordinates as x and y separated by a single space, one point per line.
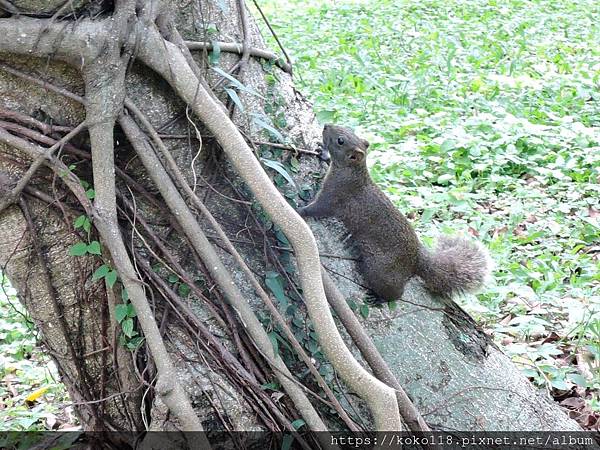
344 146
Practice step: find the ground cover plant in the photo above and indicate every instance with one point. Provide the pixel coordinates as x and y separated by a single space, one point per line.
31 395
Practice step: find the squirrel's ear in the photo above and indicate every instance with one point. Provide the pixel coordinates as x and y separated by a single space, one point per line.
356 154
365 143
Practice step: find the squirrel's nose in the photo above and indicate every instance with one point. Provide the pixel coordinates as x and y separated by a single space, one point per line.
326 126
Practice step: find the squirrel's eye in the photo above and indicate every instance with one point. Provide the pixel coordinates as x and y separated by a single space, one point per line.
340 141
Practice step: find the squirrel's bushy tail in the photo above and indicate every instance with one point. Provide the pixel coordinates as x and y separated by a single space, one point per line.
456 266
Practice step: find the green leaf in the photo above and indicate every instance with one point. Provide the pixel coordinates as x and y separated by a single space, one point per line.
286 442
79 249
27 422
214 54
266 126
211 29
447 145
305 193
120 312
124 295
131 310
90 193
445 178
135 342
273 338
364 310
277 166
184 290
273 386
281 237
352 304
298 423
127 326
94 248
560 384
111 278
236 82
173 278
578 379
236 99
427 214
100 272
326 115
294 164
275 286
80 221
87 225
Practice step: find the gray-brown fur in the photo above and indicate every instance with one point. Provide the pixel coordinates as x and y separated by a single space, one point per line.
390 250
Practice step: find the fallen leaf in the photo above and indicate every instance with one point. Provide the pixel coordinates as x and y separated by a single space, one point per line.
8 381
504 322
498 231
473 232
552 337
573 402
36 394
520 230
50 420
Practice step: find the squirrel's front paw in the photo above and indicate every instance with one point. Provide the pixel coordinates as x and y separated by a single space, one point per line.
323 152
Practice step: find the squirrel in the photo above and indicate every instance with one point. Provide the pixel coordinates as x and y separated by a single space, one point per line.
390 251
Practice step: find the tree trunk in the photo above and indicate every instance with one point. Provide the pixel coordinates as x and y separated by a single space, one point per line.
454 375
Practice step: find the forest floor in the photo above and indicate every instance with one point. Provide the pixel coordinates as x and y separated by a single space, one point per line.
31 394
483 118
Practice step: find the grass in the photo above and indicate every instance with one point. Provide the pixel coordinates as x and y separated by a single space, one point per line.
483 118
31 395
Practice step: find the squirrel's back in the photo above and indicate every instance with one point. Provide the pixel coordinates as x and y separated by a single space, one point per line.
390 250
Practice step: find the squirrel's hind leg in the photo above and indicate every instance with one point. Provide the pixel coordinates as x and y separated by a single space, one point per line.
385 284
372 299
378 297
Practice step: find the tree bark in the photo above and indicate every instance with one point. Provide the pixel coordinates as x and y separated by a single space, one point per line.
452 372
